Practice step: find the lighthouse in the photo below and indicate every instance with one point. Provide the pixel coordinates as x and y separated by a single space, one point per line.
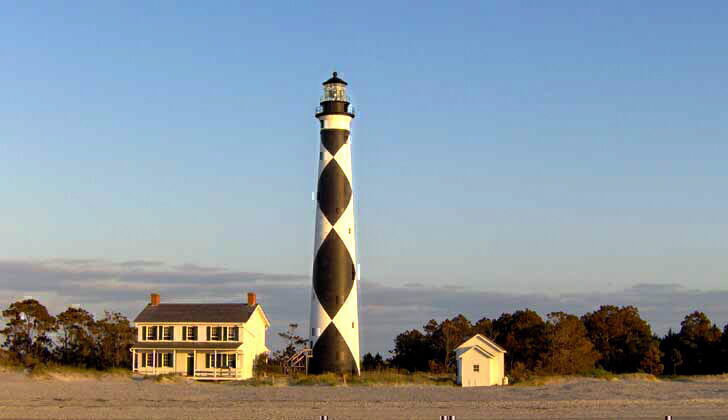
334 309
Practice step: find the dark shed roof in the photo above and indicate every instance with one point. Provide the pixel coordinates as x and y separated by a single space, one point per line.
334 79
196 312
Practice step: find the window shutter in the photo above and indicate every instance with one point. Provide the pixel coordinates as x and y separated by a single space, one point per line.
154 332
208 333
237 333
144 360
184 333
144 333
207 360
159 359
171 336
194 333
224 334
136 361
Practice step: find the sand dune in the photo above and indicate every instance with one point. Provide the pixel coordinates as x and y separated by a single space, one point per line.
126 398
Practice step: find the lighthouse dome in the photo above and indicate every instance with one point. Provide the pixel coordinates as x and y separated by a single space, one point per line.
335 79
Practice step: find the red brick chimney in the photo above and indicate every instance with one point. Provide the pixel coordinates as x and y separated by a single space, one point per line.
155 299
251 298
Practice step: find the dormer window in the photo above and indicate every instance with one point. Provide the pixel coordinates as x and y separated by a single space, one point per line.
189 333
233 334
168 333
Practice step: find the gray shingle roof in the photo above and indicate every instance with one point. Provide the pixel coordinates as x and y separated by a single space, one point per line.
196 312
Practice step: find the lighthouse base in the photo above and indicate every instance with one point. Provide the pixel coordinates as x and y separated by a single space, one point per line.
332 354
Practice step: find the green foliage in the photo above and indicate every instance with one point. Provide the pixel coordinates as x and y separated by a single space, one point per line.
387 377
370 362
699 348
523 335
412 351
34 338
77 332
293 343
623 339
28 332
568 350
617 339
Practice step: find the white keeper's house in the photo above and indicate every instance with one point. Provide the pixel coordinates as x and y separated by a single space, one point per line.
207 341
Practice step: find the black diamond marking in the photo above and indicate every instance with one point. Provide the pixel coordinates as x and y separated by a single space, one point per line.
333 273
334 191
334 138
332 354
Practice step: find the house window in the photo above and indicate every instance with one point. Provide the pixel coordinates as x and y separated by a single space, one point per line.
192 333
233 334
168 333
167 359
151 333
219 361
150 359
216 334
476 368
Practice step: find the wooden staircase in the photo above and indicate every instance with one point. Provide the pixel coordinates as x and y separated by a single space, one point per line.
298 362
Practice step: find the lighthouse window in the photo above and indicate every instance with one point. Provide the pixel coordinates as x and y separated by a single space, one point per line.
352 325
321 155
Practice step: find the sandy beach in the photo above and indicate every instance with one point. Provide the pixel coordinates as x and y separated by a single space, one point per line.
127 398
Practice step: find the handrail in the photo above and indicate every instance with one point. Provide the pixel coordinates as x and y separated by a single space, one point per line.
351 110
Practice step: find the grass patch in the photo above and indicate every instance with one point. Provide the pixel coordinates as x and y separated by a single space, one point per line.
61 372
697 378
166 378
395 377
387 377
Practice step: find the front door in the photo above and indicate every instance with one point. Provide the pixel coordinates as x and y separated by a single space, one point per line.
190 364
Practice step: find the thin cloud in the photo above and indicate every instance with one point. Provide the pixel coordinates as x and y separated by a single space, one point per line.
99 285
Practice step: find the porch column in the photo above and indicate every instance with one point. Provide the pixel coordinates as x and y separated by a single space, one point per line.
194 363
214 363
154 362
174 361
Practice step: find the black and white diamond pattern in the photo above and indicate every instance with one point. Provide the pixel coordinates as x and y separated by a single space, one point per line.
334 307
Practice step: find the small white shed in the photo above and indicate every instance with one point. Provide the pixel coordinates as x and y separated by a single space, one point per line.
481 362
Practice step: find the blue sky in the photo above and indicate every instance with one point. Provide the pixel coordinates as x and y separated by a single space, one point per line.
499 146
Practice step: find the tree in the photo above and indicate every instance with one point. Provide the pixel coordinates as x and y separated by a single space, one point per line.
651 362
454 332
523 334
293 342
115 338
370 362
27 332
622 338
569 351
724 349
484 327
77 337
412 351
700 344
